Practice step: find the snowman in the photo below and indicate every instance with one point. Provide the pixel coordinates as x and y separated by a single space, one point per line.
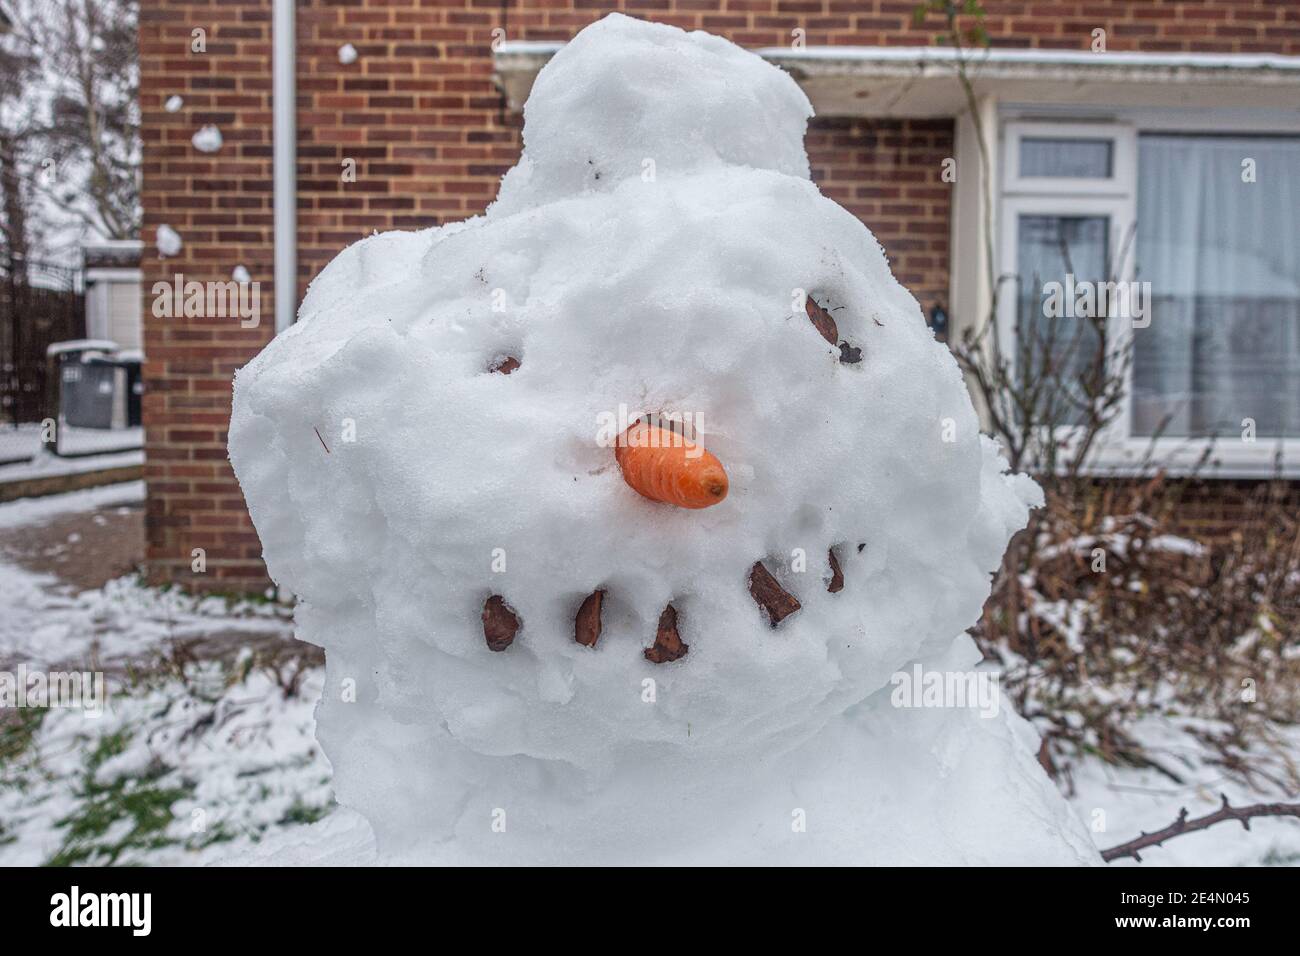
641 517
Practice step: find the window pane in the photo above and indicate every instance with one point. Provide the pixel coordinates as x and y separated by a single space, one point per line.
1058 351
1075 158
1222 254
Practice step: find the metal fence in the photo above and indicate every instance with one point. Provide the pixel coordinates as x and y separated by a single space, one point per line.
40 303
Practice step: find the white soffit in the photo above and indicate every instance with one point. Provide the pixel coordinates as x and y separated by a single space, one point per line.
923 81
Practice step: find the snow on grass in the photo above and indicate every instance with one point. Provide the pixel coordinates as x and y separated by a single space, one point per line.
190 753
180 770
207 743
45 624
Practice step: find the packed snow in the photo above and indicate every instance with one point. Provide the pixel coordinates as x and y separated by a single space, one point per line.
168 241
347 54
174 104
650 250
207 139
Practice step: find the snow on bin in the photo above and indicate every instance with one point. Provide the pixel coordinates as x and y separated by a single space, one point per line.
92 386
95 397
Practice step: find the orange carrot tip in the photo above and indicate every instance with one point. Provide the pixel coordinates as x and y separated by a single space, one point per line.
663 466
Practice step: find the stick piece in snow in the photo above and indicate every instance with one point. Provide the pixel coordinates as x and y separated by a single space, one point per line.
1183 825
506 365
499 623
586 626
837 576
668 644
776 600
822 321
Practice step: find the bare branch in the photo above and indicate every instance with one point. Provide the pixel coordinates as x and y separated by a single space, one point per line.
1182 825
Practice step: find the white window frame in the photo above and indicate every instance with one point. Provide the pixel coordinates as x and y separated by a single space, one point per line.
1117 450
1123 159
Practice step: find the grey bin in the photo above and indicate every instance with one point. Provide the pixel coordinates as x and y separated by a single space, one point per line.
97 385
95 393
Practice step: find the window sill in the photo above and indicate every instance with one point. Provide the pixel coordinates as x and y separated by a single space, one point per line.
1228 459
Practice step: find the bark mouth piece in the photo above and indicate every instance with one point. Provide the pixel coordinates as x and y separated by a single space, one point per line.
501 624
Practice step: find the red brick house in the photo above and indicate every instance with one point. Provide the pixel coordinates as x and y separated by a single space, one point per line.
1183 115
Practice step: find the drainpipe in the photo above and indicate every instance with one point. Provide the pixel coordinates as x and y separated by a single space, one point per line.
285 162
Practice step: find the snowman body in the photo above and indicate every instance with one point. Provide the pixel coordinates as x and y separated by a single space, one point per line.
652 252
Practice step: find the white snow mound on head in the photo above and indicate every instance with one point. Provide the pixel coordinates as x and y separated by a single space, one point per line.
626 97
396 482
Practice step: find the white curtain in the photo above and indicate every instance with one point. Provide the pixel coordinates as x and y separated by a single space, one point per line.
1222 254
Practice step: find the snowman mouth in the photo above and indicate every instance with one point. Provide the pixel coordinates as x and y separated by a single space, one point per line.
501 624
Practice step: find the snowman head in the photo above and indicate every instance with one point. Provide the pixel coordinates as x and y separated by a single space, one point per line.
454 533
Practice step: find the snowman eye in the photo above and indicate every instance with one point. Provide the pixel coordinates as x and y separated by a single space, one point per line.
824 323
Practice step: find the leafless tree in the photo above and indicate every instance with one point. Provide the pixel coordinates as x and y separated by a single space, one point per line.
78 95
17 67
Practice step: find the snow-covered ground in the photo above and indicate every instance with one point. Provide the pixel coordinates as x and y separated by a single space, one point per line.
22 450
1119 803
178 771
207 740
201 756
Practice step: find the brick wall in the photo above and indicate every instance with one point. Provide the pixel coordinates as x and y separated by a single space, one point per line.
220 204
886 172
418 113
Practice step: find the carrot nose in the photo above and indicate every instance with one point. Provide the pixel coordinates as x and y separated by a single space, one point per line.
661 465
